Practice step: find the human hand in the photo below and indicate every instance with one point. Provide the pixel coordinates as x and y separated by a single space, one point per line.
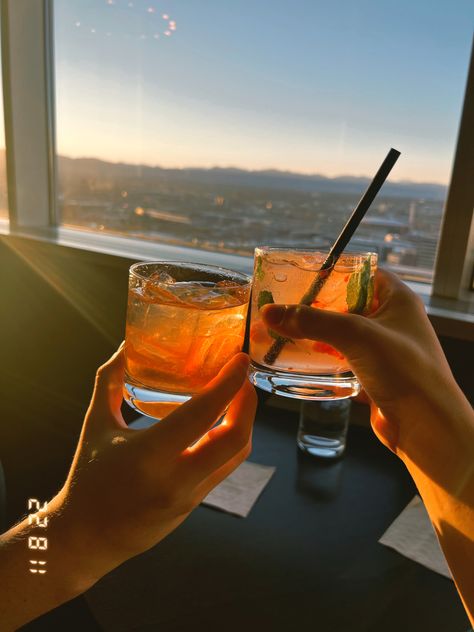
394 353
417 409
127 489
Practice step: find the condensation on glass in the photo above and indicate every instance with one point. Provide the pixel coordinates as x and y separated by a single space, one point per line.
197 125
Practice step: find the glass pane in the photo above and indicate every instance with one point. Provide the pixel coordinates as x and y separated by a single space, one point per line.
224 125
3 167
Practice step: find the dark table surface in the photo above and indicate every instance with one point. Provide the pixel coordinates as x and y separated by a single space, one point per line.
307 556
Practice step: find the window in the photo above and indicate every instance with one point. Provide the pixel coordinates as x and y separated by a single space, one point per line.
211 140
3 169
227 125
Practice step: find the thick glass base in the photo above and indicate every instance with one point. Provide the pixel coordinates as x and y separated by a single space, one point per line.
152 403
320 446
301 386
322 429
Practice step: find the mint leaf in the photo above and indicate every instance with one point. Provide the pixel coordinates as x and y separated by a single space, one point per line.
264 298
259 273
357 289
370 296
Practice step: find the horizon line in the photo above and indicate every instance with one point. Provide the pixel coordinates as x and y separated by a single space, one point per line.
247 170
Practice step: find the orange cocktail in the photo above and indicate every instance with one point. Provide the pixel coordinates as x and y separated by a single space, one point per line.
306 369
184 322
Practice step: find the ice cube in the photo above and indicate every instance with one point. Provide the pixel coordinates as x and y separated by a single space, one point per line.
190 291
161 278
200 295
209 354
210 296
159 288
221 301
159 294
239 292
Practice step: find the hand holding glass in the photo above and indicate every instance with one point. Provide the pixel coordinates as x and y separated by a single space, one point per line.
184 322
305 369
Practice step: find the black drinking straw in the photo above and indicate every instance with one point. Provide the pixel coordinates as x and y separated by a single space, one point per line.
340 244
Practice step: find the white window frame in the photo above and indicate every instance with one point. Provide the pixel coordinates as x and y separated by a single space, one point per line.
29 102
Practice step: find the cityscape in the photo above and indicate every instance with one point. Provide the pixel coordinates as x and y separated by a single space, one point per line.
233 210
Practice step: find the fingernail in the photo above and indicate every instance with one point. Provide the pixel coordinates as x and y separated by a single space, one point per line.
273 314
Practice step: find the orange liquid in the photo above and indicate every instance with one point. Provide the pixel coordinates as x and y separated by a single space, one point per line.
179 347
288 277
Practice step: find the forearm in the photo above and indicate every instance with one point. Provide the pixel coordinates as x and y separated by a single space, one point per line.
440 459
453 521
29 588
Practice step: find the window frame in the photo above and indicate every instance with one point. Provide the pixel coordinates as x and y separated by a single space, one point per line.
28 60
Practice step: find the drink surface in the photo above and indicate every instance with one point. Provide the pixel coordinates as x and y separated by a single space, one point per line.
284 277
179 335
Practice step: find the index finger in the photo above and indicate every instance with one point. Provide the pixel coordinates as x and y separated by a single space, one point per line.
227 440
300 321
106 400
386 284
193 419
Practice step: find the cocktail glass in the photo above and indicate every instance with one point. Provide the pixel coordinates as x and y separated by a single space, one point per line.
306 369
184 322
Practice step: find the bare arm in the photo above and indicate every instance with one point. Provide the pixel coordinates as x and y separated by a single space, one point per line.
417 409
25 594
126 490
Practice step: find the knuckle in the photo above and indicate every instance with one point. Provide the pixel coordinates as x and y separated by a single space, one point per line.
100 371
359 325
101 374
289 315
185 505
352 328
360 329
240 436
167 492
404 296
168 497
300 320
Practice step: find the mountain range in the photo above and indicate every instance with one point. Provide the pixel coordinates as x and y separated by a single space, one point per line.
74 169
265 179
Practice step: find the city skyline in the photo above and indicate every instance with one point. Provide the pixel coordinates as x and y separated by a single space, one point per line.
301 86
234 212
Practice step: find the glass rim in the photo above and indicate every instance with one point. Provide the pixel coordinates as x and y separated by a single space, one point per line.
324 253
193 265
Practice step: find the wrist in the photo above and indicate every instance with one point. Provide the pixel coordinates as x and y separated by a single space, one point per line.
80 564
436 440
40 566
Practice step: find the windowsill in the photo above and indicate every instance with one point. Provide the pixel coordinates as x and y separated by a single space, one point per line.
128 247
450 317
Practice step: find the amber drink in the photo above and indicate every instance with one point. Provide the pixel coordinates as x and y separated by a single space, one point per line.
184 322
306 369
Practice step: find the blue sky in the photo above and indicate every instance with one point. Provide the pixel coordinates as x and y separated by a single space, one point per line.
302 85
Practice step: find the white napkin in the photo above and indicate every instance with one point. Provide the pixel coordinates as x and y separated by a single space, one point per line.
238 493
412 535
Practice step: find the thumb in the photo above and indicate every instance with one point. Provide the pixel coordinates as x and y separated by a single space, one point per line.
343 331
107 396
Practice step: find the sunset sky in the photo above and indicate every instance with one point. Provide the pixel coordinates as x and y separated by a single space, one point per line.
299 85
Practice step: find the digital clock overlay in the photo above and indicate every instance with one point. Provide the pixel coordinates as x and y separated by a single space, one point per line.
38 543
